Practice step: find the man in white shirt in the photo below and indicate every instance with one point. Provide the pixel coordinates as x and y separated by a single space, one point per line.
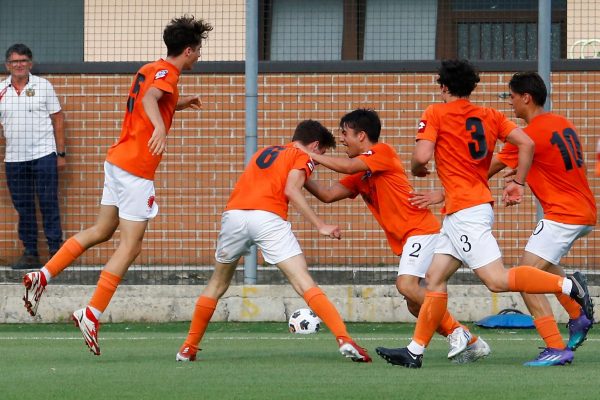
33 125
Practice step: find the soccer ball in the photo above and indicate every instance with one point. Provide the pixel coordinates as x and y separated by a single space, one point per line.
304 321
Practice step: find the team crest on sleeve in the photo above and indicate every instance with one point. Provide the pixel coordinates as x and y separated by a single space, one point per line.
162 74
310 165
422 126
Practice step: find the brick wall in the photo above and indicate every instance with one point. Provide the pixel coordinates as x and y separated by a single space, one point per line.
206 151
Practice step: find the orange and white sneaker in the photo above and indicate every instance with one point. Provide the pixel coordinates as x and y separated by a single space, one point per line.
87 323
186 353
351 350
35 284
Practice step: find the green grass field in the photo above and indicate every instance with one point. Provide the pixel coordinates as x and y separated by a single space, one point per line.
264 361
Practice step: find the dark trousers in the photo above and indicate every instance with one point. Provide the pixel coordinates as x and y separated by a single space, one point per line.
29 179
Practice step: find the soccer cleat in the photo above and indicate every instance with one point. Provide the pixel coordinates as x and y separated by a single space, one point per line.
351 350
401 356
475 351
458 341
580 294
550 357
578 329
88 325
186 353
34 282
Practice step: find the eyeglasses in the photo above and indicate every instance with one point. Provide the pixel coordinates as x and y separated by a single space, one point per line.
16 62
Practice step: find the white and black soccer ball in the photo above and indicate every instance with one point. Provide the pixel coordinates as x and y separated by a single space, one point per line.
304 321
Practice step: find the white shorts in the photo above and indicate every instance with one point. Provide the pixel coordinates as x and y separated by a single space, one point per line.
417 254
467 236
132 195
240 229
551 240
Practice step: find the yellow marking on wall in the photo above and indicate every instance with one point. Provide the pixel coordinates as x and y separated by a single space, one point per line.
249 309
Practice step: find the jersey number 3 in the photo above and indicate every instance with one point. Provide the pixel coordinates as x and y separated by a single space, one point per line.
478 147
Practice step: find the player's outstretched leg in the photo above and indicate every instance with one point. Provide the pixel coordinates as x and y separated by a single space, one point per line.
550 357
477 350
353 351
401 356
581 295
578 329
88 325
35 284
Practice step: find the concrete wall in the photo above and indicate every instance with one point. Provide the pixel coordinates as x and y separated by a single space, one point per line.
256 303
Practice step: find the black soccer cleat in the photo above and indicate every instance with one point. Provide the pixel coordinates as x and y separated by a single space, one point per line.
400 356
581 295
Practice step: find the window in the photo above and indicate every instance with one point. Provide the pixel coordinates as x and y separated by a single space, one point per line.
53 30
496 30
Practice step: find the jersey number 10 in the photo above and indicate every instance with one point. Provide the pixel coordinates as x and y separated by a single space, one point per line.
569 147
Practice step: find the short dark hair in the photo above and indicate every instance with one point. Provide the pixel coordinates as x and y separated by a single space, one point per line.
20 49
459 76
363 119
184 32
309 130
532 83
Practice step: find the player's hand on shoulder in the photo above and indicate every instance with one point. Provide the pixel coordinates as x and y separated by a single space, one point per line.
333 231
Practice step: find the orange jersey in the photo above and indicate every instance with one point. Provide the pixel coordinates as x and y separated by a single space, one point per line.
262 185
557 175
385 189
131 151
465 136
598 159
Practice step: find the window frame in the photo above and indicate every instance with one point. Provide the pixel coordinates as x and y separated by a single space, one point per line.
447 25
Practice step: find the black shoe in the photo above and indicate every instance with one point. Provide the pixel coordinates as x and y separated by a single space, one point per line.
401 356
581 295
27 261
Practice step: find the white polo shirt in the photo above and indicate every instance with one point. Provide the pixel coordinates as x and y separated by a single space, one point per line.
26 119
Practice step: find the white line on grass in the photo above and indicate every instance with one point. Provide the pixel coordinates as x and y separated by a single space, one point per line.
211 337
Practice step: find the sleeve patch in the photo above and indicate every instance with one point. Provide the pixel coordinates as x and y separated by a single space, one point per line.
422 126
162 74
310 166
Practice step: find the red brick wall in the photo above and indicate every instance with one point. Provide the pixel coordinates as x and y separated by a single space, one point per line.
206 151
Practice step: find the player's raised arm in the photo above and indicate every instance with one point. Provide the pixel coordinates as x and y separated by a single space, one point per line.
293 191
327 194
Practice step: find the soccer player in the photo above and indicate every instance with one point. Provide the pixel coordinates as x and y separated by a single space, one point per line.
128 198
557 178
375 172
462 136
256 213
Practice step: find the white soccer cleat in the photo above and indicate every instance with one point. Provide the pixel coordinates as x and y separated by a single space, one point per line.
458 341
475 351
88 325
35 284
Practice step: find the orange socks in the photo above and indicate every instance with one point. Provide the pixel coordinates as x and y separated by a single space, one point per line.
68 253
432 312
203 312
320 304
107 285
572 307
548 330
532 280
